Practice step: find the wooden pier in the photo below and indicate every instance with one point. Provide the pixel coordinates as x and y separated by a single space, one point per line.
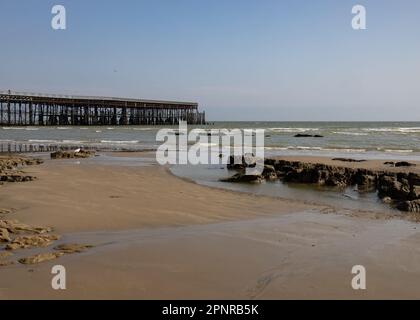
30 109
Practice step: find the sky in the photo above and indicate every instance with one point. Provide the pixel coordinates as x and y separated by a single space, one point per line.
243 60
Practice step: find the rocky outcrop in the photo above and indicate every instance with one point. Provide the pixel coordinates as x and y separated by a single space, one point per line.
244 178
348 160
10 163
41 258
28 242
301 135
400 188
73 248
6 211
17 236
9 169
409 206
77 154
269 172
4 235
14 226
400 164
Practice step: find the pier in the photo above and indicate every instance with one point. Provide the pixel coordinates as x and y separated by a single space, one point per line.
32 109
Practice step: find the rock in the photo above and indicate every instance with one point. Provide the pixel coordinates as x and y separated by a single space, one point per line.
5 254
241 162
72 248
391 187
243 178
27 242
4 235
6 263
14 226
400 187
414 179
269 173
404 164
16 178
72 154
387 200
415 192
301 135
336 181
390 163
409 206
9 172
41 258
365 180
6 211
347 160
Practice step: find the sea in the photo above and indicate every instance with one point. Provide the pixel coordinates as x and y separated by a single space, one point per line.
371 140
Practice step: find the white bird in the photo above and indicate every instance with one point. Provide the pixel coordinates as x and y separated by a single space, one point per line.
77 150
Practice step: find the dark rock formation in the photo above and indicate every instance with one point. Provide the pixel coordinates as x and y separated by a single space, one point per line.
409 206
402 188
269 173
10 169
404 164
347 160
72 154
244 178
302 135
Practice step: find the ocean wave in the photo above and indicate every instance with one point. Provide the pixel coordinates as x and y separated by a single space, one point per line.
304 148
292 130
144 129
73 141
351 133
120 141
399 151
395 130
14 128
45 141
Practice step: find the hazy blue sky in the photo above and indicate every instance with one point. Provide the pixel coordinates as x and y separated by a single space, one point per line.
240 59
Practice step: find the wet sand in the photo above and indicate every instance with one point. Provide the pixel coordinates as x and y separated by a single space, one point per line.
158 236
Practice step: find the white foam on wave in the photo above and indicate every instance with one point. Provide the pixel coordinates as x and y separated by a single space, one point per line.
143 129
395 130
120 141
73 141
351 133
399 151
291 130
44 141
304 148
14 128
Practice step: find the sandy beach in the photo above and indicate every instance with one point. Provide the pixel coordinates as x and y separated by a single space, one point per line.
156 236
